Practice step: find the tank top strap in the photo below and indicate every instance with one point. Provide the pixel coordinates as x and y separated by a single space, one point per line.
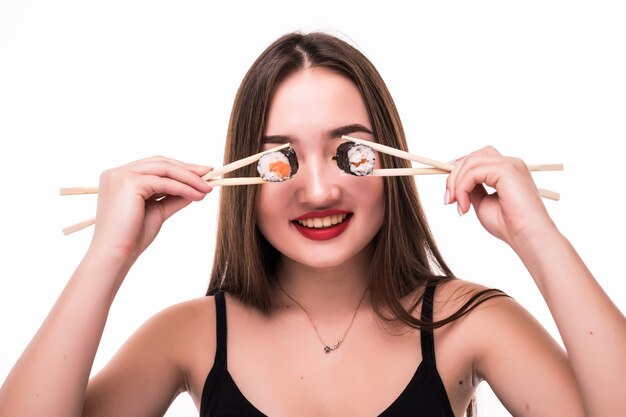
220 317
426 336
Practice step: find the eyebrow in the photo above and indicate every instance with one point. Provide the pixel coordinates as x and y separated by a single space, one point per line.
332 134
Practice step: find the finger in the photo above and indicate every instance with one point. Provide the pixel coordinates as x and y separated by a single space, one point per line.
172 205
187 174
460 166
447 198
487 150
475 197
170 187
477 171
450 195
155 158
200 170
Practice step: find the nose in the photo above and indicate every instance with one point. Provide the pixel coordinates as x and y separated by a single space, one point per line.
318 183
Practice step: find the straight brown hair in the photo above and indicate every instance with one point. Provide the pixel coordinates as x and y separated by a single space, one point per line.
405 255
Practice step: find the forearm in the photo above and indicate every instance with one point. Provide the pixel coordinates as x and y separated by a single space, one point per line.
50 377
591 326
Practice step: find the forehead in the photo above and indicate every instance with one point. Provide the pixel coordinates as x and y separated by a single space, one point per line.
315 98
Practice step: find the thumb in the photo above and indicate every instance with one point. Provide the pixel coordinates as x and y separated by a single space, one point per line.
476 196
172 204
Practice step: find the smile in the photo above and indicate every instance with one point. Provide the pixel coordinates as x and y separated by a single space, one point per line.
321 222
323 228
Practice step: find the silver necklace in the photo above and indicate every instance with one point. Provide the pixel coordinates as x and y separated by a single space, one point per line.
327 348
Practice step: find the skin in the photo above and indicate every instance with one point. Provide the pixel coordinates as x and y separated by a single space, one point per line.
173 352
307 110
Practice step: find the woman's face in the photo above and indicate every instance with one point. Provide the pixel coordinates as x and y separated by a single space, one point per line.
312 109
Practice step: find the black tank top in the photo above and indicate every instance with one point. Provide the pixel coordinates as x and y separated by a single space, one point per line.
424 396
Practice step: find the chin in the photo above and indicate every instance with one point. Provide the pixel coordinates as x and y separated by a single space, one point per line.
329 257
320 263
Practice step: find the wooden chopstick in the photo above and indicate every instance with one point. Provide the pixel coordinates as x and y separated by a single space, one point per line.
433 163
210 177
215 182
550 195
438 167
398 172
79 226
401 154
241 163
403 172
78 190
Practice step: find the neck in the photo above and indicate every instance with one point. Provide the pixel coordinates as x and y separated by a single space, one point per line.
325 293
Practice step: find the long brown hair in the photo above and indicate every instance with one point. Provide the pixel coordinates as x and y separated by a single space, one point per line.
405 254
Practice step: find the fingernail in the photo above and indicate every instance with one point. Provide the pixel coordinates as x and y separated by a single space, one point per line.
446 198
458 208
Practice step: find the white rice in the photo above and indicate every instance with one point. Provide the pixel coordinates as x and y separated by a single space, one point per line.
263 166
356 155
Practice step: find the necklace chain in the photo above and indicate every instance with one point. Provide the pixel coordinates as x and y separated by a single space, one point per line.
327 348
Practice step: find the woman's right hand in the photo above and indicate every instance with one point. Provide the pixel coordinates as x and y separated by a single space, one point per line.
130 211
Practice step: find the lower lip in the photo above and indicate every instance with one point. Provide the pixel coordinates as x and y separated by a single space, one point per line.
324 233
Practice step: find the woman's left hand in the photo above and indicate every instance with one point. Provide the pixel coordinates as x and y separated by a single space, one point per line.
515 211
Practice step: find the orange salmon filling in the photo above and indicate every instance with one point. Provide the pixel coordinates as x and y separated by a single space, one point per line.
280 168
361 162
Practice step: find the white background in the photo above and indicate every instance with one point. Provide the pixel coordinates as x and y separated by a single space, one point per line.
87 85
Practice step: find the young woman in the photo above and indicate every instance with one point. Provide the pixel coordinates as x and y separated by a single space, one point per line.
328 295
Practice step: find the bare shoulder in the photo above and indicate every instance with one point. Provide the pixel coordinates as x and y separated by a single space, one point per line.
490 313
452 296
454 350
192 324
524 365
489 308
187 315
170 353
470 307
184 324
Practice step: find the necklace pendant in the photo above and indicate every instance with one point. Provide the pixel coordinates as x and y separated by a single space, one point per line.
328 349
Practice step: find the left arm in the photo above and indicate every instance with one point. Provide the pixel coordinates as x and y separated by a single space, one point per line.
592 327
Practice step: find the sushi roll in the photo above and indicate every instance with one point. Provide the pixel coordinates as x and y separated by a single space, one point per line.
278 166
355 159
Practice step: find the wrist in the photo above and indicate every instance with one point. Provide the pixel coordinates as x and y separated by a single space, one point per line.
542 252
115 257
108 267
535 240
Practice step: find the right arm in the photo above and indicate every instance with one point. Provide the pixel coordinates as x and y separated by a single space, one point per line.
50 378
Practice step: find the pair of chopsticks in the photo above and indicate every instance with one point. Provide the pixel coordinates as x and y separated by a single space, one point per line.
437 167
210 177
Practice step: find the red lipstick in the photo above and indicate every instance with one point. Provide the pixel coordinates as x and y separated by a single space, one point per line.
324 233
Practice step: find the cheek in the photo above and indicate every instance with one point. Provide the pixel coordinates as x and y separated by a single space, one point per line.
269 207
262 209
369 193
378 201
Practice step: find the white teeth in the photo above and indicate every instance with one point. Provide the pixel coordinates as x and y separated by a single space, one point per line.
320 222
